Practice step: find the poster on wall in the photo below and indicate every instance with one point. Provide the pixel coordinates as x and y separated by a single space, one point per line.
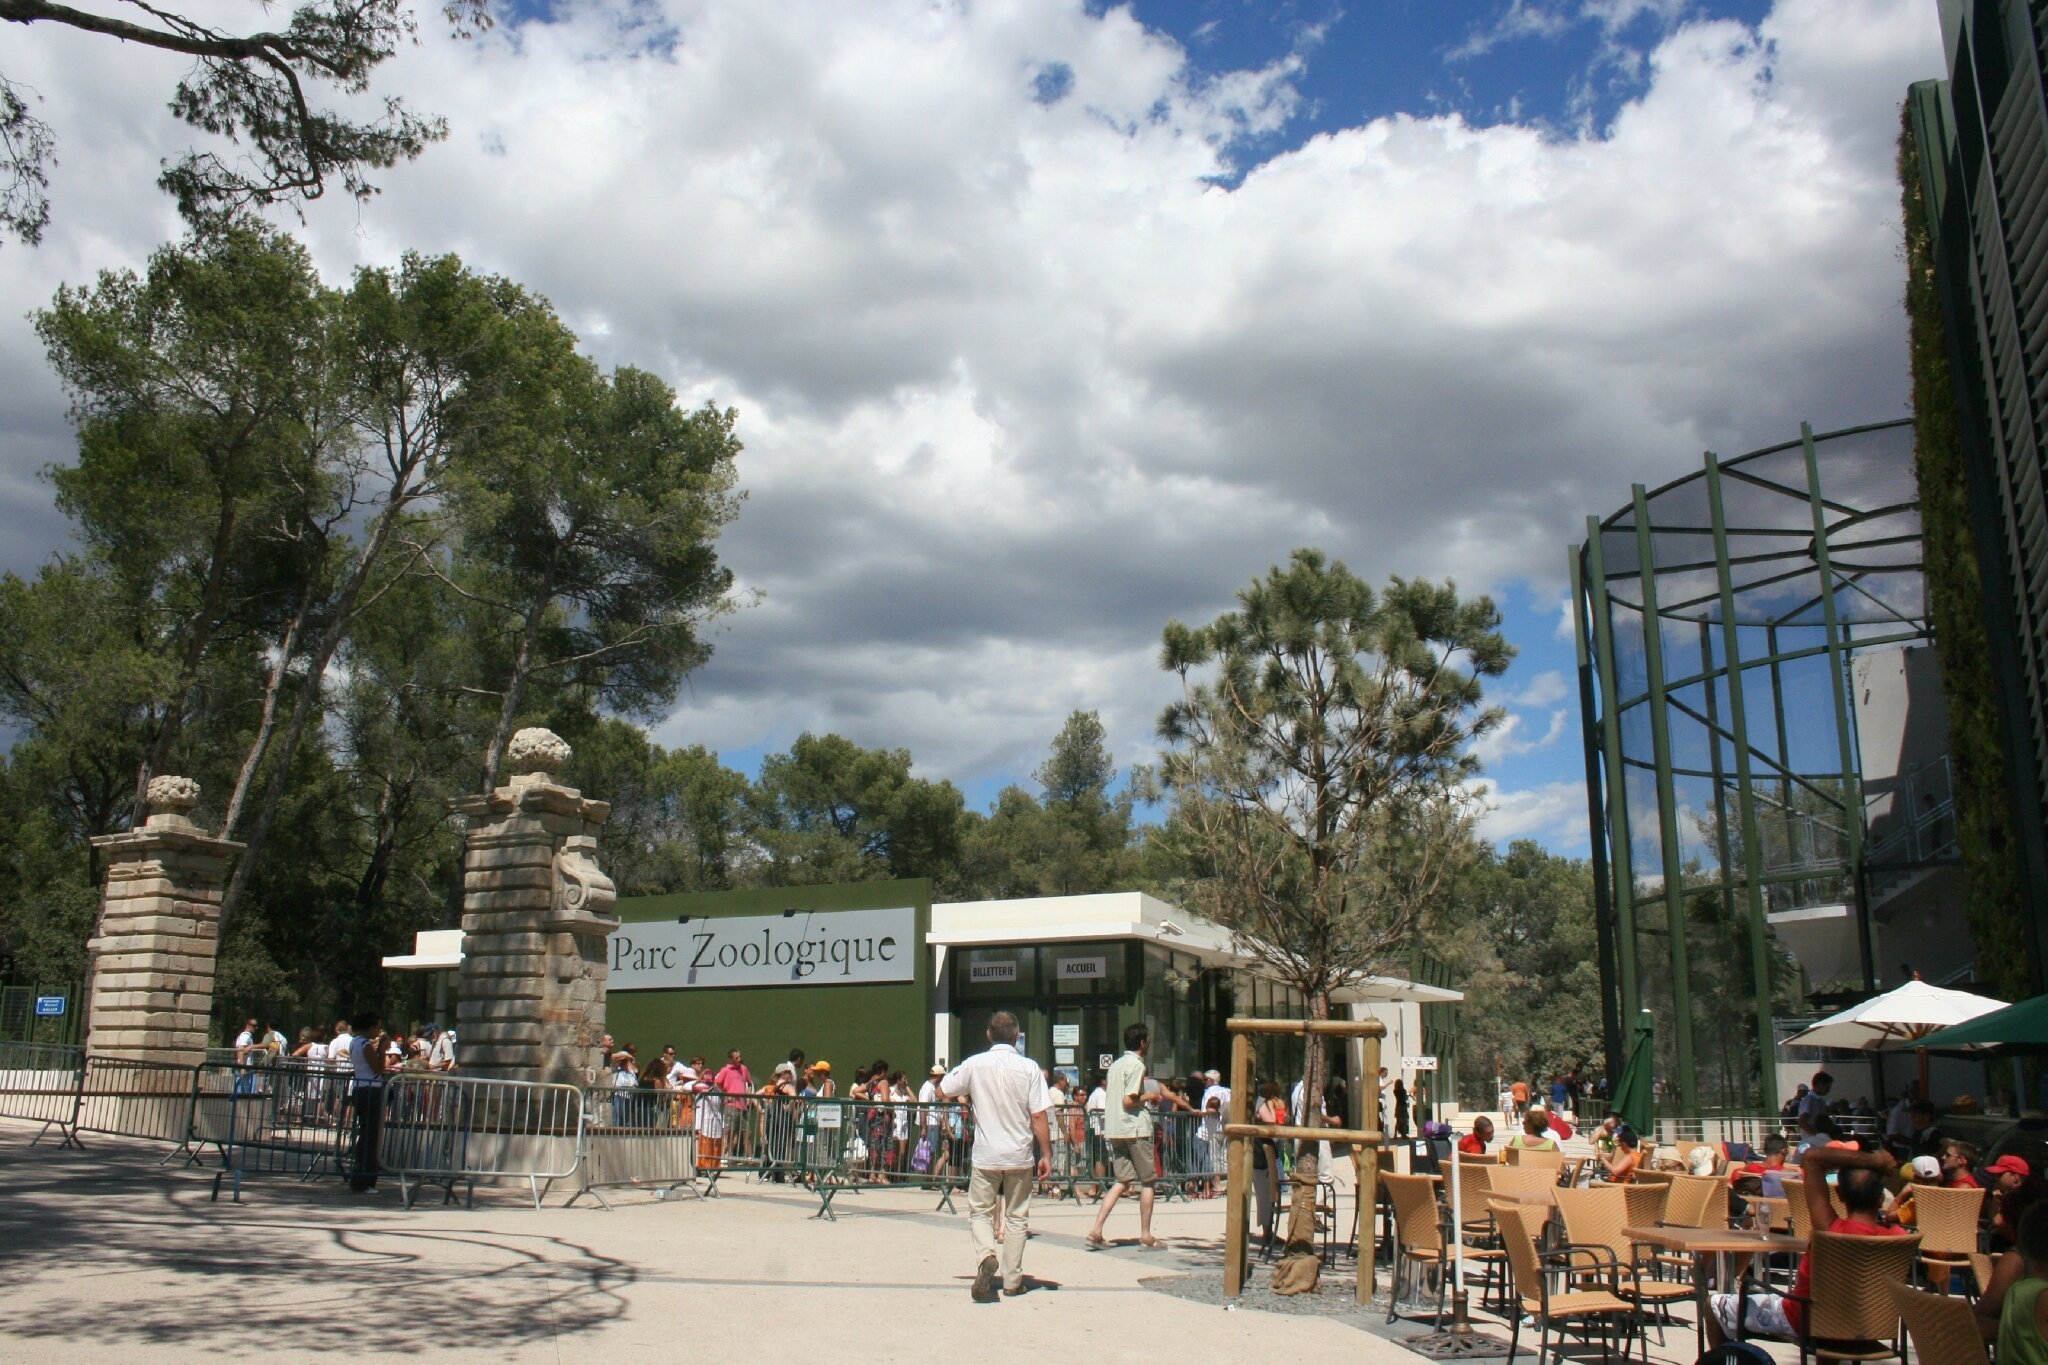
806 948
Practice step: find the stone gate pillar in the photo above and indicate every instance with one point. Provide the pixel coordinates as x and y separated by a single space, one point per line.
536 913
152 959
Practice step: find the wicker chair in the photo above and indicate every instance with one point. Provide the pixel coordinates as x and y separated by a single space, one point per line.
1521 1178
1418 1233
1519 1228
1595 1218
1479 1233
1943 1330
1850 1313
1646 1176
1646 1204
1697 1201
1947 1223
1551 1159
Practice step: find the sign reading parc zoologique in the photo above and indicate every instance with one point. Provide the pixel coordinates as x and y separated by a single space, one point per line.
807 948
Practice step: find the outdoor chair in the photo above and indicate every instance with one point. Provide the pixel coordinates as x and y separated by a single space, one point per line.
1568 1173
1795 1206
1943 1330
1519 1229
1646 1176
1947 1223
1980 1270
1850 1313
1520 1178
1550 1159
1478 1232
1595 1218
1645 1204
1692 1201
1418 1233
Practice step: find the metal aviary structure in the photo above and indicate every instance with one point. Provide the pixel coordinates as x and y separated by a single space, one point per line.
1765 749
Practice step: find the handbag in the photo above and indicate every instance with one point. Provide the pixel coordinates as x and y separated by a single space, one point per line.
921 1159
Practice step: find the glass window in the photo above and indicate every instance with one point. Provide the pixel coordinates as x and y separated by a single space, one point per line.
994 973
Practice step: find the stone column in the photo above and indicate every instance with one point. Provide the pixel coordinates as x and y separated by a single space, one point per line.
536 913
152 961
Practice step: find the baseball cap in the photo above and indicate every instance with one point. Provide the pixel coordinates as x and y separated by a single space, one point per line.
1926 1168
2008 1165
1213 1074
938 1068
785 1068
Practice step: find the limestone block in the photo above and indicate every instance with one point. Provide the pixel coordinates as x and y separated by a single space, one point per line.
503 1031
536 876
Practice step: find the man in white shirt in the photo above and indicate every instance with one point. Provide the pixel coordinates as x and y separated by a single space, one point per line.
1007 1094
1127 1123
1215 1110
441 1056
248 1052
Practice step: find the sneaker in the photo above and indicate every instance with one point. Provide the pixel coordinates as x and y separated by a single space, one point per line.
984 1290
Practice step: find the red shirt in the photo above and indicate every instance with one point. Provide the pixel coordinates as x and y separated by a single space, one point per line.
1963 1180
1470 1145
733 1080
1802 1283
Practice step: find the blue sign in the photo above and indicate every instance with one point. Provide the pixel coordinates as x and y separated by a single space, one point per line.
48 1006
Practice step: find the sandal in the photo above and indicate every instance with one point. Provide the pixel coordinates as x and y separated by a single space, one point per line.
1152 1243
1095 1241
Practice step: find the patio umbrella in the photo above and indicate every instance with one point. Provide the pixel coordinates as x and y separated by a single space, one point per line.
2016 1028
1632 1097
1907 1015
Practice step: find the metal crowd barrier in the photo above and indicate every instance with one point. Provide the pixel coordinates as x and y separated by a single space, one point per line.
136 1098
853 1145
639 1137
39 1083
456 1130
1182 1149
280 1119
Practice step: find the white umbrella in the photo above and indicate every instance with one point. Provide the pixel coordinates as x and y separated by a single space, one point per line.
1912 1011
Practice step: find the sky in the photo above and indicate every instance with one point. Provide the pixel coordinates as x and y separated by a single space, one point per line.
1050 322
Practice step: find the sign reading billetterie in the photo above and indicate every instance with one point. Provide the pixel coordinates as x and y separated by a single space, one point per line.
825 948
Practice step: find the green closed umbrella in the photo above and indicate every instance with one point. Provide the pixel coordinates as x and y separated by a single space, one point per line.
1632 1097
2016 1028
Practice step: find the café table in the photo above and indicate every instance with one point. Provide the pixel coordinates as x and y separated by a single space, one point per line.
1722 1244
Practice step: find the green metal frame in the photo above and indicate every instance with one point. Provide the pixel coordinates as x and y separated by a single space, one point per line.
1809 552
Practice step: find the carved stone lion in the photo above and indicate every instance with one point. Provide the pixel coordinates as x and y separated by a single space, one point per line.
534 750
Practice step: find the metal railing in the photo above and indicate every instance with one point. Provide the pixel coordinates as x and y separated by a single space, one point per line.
278 1119
446 1131
640 1137
39 1083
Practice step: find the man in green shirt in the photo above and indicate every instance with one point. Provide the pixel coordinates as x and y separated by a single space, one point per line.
1127 1123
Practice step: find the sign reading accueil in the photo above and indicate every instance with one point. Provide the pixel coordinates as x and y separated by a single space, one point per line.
1082 968
808 948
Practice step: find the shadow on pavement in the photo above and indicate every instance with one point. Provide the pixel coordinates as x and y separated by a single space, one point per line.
295 1269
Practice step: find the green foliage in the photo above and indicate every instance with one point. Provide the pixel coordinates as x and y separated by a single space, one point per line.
259 89
1985 827
831 811
1517 932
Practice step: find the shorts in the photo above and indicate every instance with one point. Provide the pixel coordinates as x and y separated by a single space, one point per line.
1133 1162
1763 1315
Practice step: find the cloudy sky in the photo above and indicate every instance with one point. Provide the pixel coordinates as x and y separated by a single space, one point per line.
1048 322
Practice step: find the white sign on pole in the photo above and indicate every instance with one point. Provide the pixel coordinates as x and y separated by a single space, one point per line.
808 948
1418 1063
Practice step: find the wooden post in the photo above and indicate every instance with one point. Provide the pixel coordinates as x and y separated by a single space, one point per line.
1237 1213
1368 1187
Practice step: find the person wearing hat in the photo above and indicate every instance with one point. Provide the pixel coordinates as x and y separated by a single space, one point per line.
625 1080
1215 1107
1922 1170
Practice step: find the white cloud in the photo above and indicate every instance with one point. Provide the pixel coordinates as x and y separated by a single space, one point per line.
1019 381
1543 689
1553 813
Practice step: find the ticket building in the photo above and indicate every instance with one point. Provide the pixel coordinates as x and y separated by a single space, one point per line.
873 971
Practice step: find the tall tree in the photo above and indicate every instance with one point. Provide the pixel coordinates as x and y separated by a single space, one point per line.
1317 755
255 88
590 537
829 810
196 389
426 353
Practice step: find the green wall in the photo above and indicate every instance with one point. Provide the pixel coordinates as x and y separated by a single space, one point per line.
847 1026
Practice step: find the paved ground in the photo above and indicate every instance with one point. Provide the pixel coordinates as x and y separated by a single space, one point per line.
105 1256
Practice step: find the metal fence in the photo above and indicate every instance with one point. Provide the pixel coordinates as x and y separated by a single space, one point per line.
846 1145
445 1131
1186 1150
279 1119
39 1083
641 1138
